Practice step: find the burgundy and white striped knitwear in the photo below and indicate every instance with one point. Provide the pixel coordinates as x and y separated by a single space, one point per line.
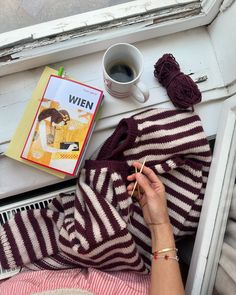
100 226
88 229
176 148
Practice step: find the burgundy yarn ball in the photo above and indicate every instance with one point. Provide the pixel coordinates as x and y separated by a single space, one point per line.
181 89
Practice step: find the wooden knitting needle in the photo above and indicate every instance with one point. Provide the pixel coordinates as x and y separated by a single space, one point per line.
139 172
136 171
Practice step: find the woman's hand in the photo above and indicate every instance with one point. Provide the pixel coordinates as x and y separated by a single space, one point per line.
165 273
151 195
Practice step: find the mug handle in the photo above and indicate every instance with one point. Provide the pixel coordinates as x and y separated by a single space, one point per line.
140 92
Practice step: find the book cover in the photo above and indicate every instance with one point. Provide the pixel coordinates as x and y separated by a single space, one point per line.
62 125
18 140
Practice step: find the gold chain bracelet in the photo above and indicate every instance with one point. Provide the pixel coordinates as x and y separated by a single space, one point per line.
167 250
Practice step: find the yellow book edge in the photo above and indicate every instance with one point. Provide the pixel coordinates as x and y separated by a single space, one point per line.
19 138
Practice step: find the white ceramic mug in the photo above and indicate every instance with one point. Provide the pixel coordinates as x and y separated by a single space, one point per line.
128 58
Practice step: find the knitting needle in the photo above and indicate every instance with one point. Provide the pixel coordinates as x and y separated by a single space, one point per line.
136 171
139 172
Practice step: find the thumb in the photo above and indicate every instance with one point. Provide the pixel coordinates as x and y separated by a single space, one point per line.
144 183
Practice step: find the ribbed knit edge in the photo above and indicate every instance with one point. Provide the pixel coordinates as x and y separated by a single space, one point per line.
113 146
7 259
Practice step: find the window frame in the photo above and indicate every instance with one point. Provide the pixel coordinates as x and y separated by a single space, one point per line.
216 205
53 41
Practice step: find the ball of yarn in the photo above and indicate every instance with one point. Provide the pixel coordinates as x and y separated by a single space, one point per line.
181 89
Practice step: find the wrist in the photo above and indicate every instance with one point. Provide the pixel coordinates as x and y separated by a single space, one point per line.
160 229
162 236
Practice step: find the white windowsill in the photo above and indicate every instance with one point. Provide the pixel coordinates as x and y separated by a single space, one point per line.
16 89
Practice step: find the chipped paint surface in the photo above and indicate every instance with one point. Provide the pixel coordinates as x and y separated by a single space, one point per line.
87 19
147 14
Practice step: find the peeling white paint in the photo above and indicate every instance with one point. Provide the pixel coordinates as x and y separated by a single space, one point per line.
83 20
39 49
103 20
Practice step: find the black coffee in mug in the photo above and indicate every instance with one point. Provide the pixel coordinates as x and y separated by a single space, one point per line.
121 71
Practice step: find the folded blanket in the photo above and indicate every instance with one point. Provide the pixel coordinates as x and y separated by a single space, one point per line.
76 281
100 226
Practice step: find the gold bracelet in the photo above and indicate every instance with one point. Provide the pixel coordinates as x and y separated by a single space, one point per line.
167 250
156 223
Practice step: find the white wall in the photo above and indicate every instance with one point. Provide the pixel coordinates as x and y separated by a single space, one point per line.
223 36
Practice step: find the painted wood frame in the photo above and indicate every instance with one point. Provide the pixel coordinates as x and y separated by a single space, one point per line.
63 45
210 234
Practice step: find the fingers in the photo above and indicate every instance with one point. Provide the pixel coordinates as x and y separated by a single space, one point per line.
131 177
148 172
137 191
130 187
145 185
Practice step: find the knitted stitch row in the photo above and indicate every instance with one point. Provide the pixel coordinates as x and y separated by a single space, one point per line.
176 148
86 229
100 226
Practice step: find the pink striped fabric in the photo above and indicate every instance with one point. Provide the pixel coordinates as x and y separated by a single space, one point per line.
92 280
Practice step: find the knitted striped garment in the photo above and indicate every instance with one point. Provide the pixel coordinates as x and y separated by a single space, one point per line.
178 151
100 226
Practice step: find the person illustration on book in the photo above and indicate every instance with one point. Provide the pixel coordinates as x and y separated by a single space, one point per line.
58 119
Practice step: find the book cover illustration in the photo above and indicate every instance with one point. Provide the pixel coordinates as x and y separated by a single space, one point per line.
62 125
18 140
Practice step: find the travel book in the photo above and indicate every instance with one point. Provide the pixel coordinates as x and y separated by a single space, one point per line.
20 135
63 124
